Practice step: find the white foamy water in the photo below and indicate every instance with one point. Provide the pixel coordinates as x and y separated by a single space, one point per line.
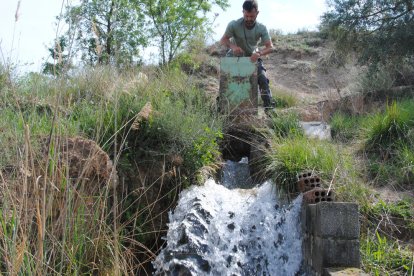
218 231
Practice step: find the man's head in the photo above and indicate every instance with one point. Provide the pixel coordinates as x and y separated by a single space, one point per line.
250 12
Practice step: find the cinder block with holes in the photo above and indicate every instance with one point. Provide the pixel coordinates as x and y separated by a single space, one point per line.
318 195
308 181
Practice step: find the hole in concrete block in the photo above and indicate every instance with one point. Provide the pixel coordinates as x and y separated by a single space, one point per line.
317 180
312 180
312 186
309 174
323 193
306 181
316 193
317 200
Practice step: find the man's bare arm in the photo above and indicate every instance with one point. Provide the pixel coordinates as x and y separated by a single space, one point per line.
267 50
225 40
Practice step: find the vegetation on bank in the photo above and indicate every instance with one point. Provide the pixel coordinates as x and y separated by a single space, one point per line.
368 153
156 131
135 118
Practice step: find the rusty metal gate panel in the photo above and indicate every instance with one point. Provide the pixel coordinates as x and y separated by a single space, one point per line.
238 87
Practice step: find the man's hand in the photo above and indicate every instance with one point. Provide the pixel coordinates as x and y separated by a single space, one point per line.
237 51
254 57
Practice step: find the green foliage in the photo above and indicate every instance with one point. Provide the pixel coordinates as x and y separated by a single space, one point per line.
205 150
61 62
344 127
378 78
381 256
379 30
285 125
106 31
173 22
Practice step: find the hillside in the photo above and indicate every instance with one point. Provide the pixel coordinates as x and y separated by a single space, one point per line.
116 148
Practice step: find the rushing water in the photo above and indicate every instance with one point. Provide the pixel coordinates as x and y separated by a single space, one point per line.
217 230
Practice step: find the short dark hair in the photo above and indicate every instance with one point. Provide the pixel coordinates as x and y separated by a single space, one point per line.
249 5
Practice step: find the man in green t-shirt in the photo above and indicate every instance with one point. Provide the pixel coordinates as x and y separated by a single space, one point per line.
242 37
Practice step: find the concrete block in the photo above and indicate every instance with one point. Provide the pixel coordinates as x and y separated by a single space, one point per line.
307 248
308 213
336 253
311 218
337 220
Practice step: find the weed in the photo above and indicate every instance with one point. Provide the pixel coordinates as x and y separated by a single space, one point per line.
381 256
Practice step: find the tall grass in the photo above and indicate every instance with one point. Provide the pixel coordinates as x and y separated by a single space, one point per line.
62 212
344 128
389 145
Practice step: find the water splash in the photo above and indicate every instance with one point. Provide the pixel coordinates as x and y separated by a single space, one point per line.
218 231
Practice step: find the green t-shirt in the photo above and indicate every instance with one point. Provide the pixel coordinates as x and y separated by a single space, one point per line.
236 30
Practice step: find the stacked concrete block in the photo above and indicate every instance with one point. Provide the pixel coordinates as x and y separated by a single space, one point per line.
331 235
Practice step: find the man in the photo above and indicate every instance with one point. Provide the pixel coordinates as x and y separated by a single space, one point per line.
246 33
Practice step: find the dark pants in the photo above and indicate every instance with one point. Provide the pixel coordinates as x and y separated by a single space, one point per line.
264 88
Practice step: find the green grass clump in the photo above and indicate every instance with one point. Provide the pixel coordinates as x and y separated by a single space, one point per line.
291 153
283 99
383 131
343 127
388 141
285 125
290 156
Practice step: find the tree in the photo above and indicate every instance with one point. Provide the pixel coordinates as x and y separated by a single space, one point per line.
61 61
382 30
173 22
107 31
